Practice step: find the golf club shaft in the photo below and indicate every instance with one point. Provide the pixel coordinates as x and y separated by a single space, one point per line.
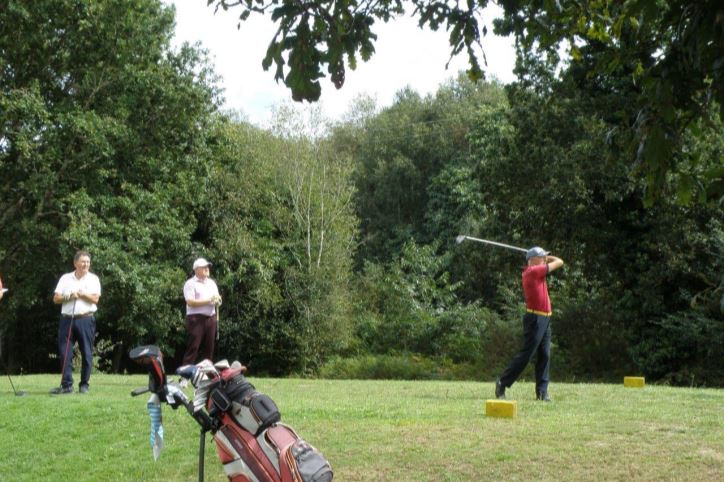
67 343
11 380
11 383
496 244
16 392
20 393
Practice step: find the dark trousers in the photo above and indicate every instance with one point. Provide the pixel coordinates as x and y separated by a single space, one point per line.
536 337
200 337
70 330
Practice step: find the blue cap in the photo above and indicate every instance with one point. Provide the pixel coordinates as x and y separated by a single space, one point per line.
536 253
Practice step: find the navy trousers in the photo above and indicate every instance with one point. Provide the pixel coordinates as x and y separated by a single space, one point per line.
70 330
536 337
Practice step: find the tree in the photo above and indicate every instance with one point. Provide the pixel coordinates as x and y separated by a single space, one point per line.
400 156
670 51
312 35
409 305
536 169
282 229
102 148
545 176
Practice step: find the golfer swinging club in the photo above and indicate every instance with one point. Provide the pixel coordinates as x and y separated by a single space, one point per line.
78 292
536 325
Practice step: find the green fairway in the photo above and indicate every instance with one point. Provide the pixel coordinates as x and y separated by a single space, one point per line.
380 431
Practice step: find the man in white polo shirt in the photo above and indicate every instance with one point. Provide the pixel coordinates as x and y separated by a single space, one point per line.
78 292
202 298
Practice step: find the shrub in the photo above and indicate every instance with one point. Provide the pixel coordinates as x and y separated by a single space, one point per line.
398 367
683 349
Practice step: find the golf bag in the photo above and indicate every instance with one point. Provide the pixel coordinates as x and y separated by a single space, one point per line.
251 442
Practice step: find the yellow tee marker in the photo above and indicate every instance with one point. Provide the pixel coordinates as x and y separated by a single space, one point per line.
634 382
501 408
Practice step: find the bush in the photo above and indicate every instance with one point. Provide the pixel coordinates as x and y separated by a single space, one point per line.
102 356
683 349
410 306
399 367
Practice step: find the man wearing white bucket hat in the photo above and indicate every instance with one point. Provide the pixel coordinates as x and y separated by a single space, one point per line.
202 299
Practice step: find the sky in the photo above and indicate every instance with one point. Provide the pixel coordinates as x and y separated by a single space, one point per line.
405 56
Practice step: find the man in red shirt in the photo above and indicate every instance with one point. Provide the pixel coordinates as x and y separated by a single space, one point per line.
536 325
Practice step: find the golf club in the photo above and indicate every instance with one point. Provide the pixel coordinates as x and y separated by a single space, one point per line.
217 321
463 237
67 343
18 393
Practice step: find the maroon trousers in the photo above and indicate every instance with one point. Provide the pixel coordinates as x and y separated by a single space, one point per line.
200 337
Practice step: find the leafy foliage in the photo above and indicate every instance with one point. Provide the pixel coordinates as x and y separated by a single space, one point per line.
312 35
670 53
540 171
396 367
410 306
280 227
331 241
402 160
100 142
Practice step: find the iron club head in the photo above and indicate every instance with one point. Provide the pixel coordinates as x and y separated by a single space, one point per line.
460 238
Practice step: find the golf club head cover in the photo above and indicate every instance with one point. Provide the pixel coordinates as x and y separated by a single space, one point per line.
151 357
154 411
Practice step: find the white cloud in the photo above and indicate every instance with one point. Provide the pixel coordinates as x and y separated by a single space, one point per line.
405 56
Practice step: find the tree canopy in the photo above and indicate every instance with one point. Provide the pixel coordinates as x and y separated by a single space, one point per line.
101 133
670 52
333 243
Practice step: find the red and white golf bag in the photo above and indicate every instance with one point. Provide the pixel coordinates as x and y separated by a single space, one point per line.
251 442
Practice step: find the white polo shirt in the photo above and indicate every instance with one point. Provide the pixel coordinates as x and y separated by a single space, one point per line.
68 283
196 289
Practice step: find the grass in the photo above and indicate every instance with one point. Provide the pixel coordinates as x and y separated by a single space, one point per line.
380 431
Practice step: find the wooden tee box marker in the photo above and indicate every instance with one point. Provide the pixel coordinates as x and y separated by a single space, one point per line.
501 408
634 382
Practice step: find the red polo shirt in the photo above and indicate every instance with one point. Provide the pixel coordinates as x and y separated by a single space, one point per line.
535 288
